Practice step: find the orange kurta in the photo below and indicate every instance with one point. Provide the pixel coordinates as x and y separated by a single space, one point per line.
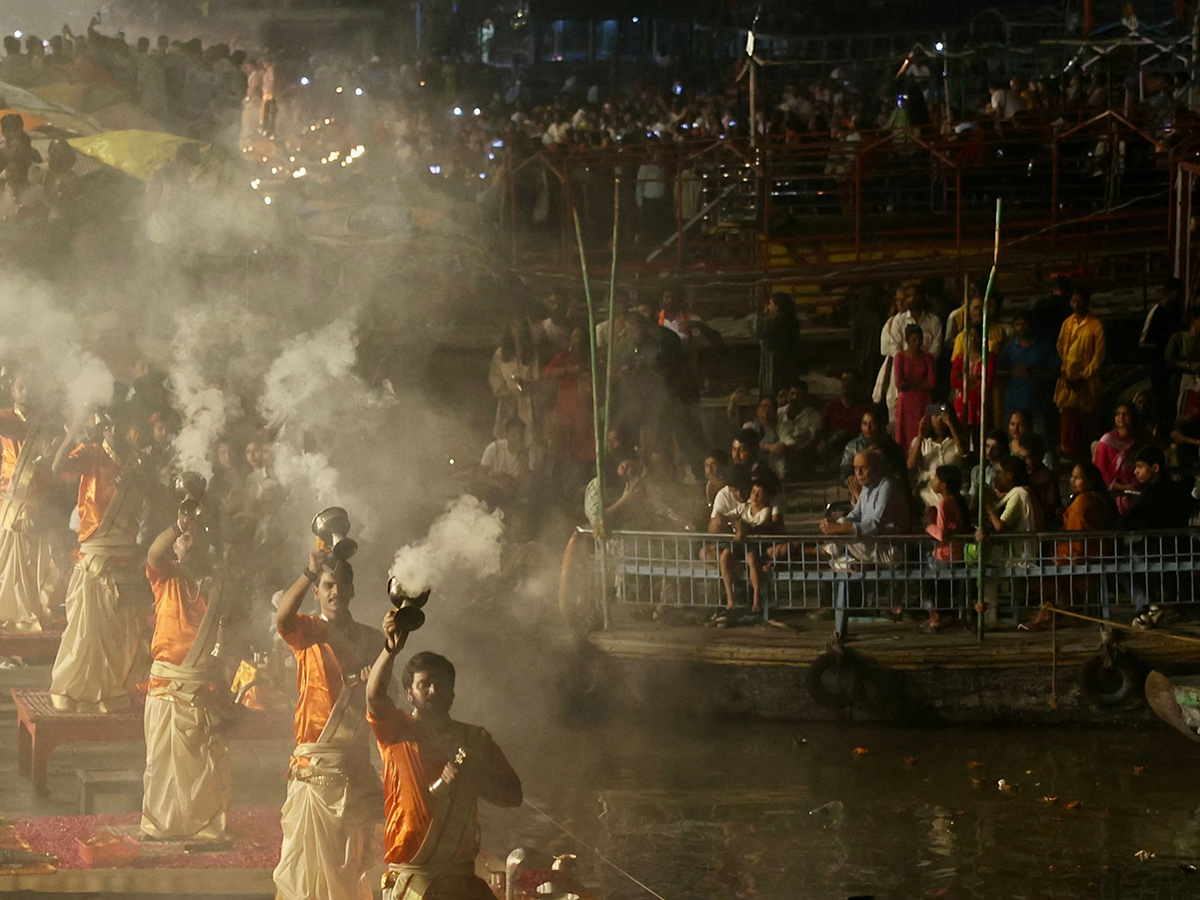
409 766
319 671
97 486
12 436
177 617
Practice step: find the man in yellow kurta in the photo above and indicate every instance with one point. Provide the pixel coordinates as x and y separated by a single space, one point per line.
28 573
1081 349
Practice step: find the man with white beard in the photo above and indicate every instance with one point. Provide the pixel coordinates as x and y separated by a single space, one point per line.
334 796
186 782
28 574
102 653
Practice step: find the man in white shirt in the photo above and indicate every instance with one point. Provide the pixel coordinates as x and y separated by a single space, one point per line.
799 427
655 209
910 307
507 465
1006 102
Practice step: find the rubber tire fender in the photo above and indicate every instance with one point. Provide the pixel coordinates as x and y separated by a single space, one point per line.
1109 685
844 672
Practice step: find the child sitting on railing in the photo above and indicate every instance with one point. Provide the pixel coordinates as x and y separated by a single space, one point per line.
749 513
949 518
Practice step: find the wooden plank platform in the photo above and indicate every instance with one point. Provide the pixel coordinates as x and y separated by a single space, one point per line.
41 728
896 646
31 647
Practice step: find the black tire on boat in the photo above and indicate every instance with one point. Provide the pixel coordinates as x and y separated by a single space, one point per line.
834 680
1110 683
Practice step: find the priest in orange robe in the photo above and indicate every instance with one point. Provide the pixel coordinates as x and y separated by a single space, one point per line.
435 769
102 655
334 796
186 782
29 575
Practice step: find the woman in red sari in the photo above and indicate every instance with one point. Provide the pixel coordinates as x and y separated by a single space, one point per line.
573 439
1114 457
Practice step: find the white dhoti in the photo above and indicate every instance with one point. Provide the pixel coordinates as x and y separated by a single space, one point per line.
186 785
28 575
328 824
103 651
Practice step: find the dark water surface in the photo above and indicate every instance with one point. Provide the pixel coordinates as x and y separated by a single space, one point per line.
790 811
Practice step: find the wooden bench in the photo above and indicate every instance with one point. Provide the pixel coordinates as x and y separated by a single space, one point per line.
41 728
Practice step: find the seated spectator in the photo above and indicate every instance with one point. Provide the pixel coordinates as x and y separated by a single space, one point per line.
868 433
937 444
508 462
799 429
943 521
840 416
715 466
745 508
1162 502
1185 437
1114 457
1020 426
1010 509
1091 509
625 503
766 425
880 505
1043 483
995 449
1031 364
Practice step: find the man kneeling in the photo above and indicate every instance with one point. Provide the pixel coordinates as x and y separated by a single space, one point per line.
187 763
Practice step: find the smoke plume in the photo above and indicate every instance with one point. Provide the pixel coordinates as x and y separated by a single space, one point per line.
463 543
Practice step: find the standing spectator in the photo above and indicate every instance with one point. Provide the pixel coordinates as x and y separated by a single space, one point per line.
1182 356
1051 311
1162 321
966 377
910 309
914 373
779 335
1081 350
1114 457
1030 363
573 437
513 377
653 198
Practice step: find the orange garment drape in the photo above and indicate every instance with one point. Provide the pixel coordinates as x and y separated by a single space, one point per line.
176 618
97 486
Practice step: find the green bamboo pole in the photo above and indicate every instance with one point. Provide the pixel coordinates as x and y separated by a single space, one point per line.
983 393
612 309
598 437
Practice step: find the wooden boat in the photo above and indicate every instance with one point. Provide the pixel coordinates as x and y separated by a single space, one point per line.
1176 700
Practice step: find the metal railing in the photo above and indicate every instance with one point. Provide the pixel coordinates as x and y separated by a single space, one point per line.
853 575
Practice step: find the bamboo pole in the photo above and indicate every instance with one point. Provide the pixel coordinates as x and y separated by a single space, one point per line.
598 438
612 309
983 391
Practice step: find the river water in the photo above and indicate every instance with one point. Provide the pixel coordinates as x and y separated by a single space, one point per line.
794 812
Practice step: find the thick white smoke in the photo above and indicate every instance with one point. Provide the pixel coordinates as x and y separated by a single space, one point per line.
463 543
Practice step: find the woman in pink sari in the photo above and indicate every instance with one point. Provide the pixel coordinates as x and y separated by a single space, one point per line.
914 371
1114 457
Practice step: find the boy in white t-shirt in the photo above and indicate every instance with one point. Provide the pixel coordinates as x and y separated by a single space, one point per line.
743 508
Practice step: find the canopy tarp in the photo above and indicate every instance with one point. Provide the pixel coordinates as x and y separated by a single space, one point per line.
22 101
86 98
134 152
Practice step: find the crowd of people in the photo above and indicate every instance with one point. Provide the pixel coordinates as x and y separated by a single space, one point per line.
907 451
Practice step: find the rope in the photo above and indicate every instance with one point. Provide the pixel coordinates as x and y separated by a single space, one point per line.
1106 623
649 890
